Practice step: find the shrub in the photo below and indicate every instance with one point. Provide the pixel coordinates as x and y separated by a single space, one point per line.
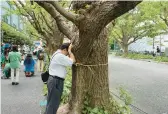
114 106
67 87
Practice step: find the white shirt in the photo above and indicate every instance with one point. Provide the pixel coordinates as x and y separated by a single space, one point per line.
58 64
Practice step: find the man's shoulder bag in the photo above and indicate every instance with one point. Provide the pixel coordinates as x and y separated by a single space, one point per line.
45 75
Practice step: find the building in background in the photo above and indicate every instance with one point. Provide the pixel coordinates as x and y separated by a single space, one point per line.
12 19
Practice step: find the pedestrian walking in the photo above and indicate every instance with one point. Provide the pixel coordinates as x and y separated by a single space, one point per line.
14 59
158 51
40 61
57 74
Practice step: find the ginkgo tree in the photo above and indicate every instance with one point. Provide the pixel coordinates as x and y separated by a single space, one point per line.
90 45
129 28
147 20
12 35
157 12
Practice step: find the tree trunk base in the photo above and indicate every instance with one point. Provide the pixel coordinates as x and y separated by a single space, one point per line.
76 106
74 112
64 109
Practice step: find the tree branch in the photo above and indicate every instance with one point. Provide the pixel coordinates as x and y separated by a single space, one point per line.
46 21
35 35
19 8
70 16
118 35
138 36
117 39
35 24
60 23
135 39
47 31
165 20
108 11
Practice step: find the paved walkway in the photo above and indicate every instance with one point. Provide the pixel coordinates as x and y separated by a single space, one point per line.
23 98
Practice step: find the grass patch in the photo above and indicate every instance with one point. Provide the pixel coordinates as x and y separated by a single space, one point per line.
143 56
161 59
139 56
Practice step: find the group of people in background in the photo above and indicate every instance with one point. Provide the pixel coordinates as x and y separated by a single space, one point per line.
12 58
61 59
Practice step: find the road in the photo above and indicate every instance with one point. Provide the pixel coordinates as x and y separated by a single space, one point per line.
23 98
147 82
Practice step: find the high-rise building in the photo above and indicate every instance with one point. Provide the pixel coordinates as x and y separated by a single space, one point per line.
9 18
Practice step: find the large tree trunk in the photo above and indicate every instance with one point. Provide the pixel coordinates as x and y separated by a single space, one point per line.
125 48
91 81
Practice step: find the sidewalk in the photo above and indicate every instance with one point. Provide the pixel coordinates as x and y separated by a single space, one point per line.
23 98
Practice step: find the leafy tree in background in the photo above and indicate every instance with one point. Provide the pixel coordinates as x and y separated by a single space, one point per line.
38 23
144 21
156 12
129 28
11 35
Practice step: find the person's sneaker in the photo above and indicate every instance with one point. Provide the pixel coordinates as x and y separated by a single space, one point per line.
13 83
3 77
16 83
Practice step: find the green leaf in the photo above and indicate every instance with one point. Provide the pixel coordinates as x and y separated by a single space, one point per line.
95 110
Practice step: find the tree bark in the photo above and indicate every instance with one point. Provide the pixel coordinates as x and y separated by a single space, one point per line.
91 81
125 48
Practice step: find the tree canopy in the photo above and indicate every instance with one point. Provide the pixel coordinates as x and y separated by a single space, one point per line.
148 19
12 35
